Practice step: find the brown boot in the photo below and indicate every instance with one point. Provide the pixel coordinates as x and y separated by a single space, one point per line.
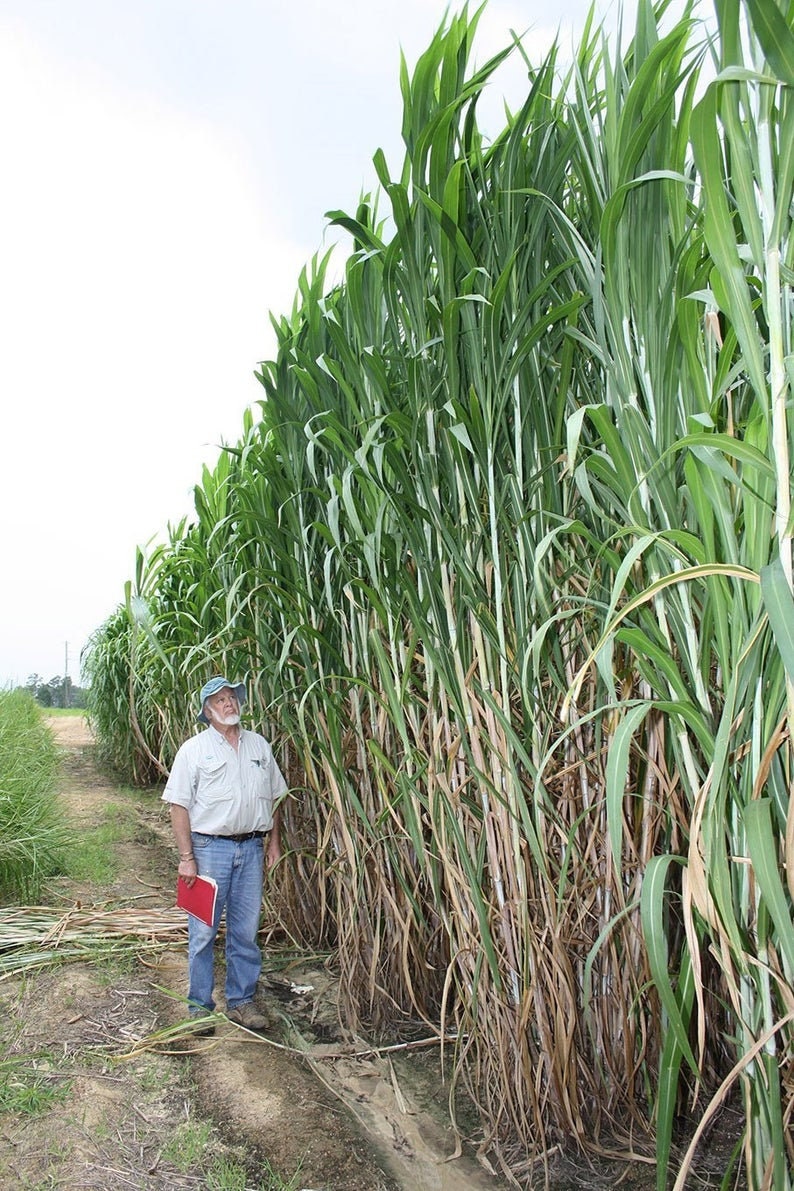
248 1016
201 1029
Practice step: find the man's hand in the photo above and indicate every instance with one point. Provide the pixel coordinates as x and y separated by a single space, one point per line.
188 870
273 853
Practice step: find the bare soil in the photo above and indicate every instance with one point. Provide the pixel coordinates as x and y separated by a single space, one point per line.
303 1102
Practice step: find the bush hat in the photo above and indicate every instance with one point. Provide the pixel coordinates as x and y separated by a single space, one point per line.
212 687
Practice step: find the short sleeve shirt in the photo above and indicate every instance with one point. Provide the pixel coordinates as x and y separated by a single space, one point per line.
226 791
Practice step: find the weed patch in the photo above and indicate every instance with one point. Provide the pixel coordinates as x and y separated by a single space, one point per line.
29 1086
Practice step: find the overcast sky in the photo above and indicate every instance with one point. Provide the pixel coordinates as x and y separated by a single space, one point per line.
167 165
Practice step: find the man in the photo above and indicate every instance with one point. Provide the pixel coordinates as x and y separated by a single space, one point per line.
223 790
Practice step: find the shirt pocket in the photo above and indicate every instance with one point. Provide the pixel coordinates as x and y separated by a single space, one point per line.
213 783
260 780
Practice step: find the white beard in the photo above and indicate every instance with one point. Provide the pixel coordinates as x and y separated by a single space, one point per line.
227 721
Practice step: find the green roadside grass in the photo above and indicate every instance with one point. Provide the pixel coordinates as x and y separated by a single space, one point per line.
38 841
33 834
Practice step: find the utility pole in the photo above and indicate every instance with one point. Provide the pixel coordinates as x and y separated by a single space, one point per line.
66 675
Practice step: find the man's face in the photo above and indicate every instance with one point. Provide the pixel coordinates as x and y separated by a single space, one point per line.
222 708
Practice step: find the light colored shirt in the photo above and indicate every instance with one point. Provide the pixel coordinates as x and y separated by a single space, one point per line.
226 791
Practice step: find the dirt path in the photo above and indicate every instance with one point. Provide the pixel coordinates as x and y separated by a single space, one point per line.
332 1119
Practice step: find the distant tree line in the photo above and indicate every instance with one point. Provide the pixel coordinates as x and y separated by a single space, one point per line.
58 692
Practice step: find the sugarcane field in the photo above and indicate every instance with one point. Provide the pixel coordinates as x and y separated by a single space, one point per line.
498 575
108 1088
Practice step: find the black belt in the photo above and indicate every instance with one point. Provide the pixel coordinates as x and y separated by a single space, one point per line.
238 839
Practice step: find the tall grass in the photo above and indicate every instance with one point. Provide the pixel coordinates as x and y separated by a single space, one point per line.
507 559
32 831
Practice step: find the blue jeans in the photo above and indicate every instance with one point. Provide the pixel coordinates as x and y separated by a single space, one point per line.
238 869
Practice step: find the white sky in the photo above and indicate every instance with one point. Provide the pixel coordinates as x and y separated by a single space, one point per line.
166 169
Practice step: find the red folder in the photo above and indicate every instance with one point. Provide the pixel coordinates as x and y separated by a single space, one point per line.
199 898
